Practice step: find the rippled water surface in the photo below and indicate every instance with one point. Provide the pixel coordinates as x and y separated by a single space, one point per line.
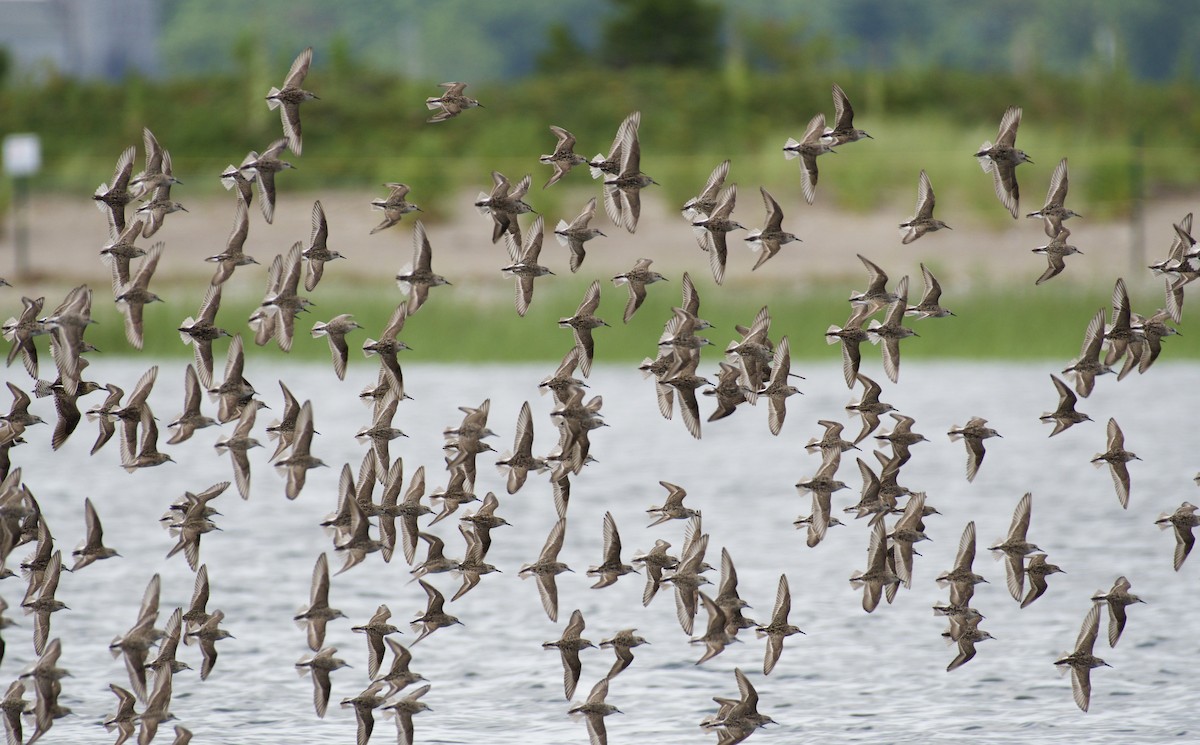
854 677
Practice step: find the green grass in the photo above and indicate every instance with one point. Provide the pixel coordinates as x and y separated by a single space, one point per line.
479 324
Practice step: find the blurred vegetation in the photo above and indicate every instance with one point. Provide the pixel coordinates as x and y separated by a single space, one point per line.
477 323
369 127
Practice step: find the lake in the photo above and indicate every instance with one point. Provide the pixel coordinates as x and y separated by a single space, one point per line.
854 677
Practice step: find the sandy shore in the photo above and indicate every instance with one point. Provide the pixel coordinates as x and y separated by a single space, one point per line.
66 234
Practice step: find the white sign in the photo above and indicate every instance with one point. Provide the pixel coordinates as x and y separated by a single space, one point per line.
22 154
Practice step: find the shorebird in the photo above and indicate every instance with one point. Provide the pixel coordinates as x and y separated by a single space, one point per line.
637 278
672 508
376 629
922 221
364 705
1054 212
122 250
575 234
277 313
318 251
622 644
610 568
112 200
843 129
520 461
197 612
202 331
504 203
525 266
909 529
148 455
317 613
265 166
233 177
929 306
876 296
1055 251
974 432
1037 570
779 628
238 444
289 98
1117 599
727 390
1116 456
404 710
92 548
388 346
688 576
716 633
851 335
300 460
1065 415
156 175
416 278
473 566
810 146
233 256
962 577
564 157
966 633
319 666
21 330
45 603
434 617
892 330
132 296
208 635
711 230
1081 661
1015 546
569 645
582 324
451 103
622 192
335 331
395 206
594 710
399 677
778 389
611 165
124 719
768 241
705 202
1002 159
1183 519
406 510
191 419
868 407
547 567
12 707
878 574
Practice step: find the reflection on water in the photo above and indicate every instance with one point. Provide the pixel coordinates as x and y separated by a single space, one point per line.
854 677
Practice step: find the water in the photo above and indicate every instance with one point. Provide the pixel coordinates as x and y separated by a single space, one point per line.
854 677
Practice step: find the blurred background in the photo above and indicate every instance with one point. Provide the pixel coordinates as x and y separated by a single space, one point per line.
1112 85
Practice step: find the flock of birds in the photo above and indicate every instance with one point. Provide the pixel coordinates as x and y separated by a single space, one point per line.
756 366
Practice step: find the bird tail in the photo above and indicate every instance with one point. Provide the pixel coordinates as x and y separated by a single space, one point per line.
272 101
187 324
595 170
